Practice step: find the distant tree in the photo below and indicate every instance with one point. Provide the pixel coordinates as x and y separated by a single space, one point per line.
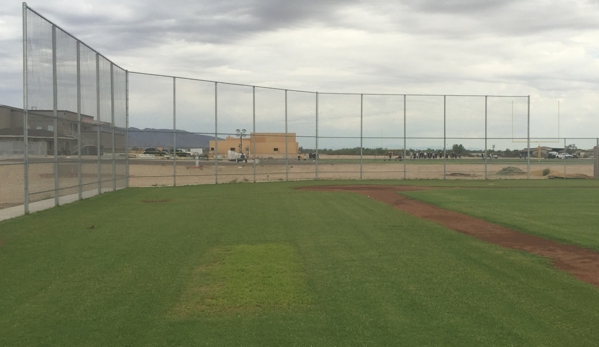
571 148
458 149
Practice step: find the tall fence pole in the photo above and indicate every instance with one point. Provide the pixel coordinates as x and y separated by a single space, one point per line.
112 126
565 158
405 158
597 160
79 166
215 132
25 116
316 136
286 142
361 131
174 131
486 137
528 139
254 130
55 114
127 128
444 136
98 137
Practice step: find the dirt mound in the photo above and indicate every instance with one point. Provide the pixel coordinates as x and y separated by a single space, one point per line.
510 170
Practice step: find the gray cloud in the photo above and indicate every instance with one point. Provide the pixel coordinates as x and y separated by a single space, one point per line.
547 49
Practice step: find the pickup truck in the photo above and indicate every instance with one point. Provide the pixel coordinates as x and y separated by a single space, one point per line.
565 156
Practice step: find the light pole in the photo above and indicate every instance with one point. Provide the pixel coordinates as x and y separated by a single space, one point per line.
241 133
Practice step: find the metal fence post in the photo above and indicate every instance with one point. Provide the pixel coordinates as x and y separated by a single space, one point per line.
444 136
112 126
405 158
597 160
361 134
286 142
215 132
79 166
174 131
254 129
55 114
486 136
98 137
127 128
316 136
565 158
528 140
25 116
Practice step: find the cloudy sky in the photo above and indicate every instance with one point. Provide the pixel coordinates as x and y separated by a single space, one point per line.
546 49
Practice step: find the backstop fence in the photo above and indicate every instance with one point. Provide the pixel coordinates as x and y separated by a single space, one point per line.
89 126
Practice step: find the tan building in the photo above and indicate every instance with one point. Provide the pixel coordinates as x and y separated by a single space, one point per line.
266 144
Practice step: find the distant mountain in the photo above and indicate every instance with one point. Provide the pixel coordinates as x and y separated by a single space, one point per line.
142 138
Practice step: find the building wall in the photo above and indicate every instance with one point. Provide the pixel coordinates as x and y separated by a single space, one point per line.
266 144
41 129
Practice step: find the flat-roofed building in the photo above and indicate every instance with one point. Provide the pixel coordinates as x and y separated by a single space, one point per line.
266 145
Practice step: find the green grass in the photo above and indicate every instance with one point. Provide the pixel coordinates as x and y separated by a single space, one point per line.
246 278
351 271
568 215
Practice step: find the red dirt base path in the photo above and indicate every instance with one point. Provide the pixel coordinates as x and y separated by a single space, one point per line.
582 263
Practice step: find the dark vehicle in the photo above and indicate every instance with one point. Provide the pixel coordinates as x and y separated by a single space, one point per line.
313 156
181 153
154 151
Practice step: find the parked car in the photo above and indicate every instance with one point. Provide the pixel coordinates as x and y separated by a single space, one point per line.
152 150
181 153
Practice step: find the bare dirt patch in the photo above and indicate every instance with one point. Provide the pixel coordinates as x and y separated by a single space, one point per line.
582 263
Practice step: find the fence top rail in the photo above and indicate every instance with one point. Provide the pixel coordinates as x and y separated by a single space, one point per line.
72 36
323 93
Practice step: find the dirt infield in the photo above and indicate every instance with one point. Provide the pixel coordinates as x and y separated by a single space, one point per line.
160 172
582 263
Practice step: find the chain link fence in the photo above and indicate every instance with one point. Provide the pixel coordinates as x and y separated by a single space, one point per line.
88 126
270 134
69 141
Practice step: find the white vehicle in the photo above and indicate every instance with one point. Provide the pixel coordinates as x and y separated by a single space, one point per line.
236 157
565 156
552 155
196 152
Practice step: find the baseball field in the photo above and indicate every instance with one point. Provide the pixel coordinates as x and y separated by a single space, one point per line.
310 263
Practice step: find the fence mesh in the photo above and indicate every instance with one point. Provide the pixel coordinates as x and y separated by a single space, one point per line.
269 134
76 122
85 117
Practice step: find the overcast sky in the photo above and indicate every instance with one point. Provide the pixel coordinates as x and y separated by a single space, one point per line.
546 49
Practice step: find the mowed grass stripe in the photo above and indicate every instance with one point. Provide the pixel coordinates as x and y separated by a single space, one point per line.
375 276
567 215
